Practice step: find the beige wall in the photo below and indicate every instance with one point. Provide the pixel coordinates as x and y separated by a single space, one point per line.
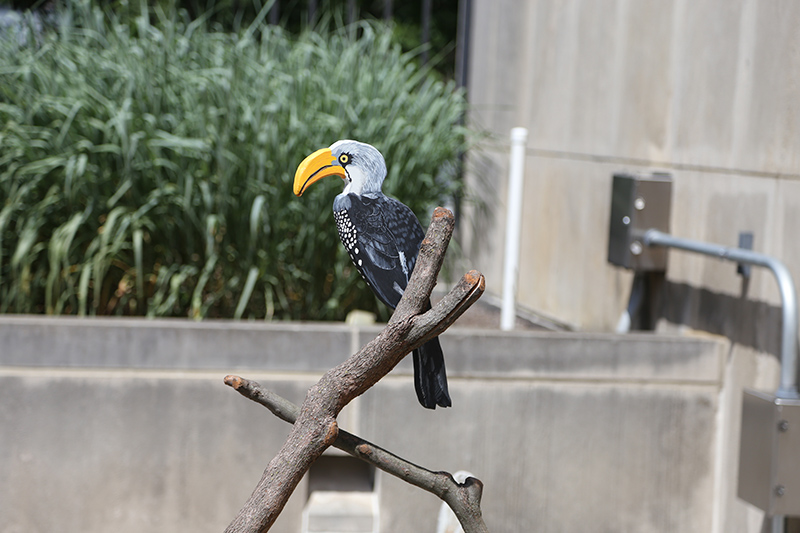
708 90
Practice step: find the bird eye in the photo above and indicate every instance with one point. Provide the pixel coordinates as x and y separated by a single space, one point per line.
344 159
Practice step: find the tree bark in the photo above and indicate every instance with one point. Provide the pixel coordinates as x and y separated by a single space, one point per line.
315 428
463 498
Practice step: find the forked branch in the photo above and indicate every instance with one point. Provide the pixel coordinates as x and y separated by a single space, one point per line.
463 498
315 427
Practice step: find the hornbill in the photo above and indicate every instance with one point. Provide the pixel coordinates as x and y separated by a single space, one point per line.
382 237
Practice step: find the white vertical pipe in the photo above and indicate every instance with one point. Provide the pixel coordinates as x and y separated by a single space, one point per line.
519 136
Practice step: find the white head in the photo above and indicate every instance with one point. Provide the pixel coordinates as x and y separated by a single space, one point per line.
364 166
360 165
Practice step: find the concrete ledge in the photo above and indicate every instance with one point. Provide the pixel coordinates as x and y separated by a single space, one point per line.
171 343
35 341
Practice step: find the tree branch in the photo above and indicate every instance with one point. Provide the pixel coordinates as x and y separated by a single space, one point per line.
315 427
463 498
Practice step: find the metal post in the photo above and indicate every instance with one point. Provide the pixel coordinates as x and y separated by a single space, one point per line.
427 7
462 43
508 314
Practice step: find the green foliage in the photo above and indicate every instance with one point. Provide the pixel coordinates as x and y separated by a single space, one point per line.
146 168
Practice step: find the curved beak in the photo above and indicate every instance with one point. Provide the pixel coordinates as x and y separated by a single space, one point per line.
318 165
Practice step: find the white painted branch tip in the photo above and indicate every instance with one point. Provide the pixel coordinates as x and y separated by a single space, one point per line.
447 522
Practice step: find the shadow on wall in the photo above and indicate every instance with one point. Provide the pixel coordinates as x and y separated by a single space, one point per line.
747 322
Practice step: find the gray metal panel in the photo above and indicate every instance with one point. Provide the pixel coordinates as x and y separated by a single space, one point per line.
622 191
787 464
638 203
769 455
651 210
756 449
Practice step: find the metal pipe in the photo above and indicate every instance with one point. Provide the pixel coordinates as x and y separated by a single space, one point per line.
788 386
508 314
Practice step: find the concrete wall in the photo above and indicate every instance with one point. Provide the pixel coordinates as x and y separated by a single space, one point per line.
708 90
125 425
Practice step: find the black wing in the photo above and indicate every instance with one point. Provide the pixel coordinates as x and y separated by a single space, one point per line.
383 241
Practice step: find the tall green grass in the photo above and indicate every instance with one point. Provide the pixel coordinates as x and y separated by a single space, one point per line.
145 168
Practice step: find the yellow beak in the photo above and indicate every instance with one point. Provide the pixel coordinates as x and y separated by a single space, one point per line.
318 165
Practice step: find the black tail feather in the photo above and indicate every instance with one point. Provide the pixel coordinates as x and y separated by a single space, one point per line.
430 379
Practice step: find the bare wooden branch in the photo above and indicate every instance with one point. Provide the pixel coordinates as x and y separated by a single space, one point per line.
429 261
315 427
463 498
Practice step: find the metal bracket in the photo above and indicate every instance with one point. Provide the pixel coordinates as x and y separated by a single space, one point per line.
745 243
638 203
789 309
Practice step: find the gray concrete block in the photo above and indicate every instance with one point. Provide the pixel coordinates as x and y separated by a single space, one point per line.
477 353
558 456
340 512
171 343
132 451
569 432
